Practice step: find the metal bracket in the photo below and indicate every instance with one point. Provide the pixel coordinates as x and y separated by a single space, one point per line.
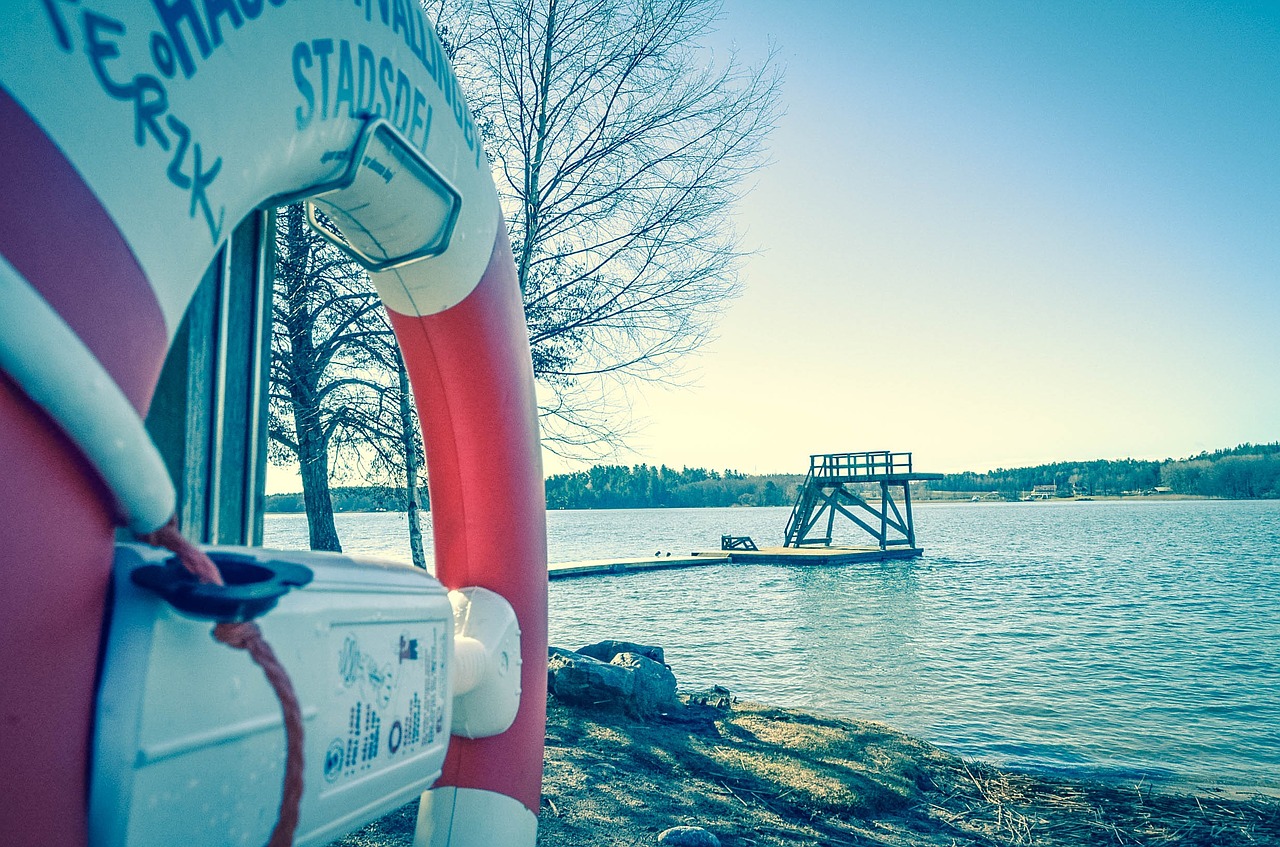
350 211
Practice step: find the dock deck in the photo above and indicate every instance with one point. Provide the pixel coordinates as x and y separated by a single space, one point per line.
763 556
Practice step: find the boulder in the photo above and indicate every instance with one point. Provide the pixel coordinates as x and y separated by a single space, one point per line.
688 836
606 650
580 679
653 685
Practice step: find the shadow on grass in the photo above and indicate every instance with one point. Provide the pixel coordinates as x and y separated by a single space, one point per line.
770 777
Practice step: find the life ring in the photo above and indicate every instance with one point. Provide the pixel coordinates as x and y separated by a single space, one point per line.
133 136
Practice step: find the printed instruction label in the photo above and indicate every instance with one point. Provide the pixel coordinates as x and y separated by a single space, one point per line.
389 683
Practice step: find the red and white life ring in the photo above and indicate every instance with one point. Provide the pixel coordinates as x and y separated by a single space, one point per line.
133 136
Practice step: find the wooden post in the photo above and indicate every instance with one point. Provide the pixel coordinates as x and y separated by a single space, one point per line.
209 415
884 513
911 524
831 522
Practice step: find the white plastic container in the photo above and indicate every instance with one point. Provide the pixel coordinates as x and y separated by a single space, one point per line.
189 738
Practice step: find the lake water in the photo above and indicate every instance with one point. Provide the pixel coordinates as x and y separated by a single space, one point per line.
1111 639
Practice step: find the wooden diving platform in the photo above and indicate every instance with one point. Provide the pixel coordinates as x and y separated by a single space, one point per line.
840 484
836 485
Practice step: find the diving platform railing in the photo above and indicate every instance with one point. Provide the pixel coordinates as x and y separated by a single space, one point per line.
826 493
869 466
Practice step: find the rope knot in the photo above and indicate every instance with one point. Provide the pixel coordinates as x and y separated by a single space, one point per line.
239 636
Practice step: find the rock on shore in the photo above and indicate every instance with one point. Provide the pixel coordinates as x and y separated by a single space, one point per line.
629 676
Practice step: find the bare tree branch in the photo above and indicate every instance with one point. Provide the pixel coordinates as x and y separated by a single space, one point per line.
619 150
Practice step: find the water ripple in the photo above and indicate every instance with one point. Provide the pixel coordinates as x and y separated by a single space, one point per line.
1108 639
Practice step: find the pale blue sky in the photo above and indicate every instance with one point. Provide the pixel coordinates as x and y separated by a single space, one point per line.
999 234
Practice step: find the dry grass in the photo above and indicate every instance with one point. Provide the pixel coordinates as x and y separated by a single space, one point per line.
761 776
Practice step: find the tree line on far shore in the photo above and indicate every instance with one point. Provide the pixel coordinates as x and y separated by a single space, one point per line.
657 486
353 498
601 487
1246 472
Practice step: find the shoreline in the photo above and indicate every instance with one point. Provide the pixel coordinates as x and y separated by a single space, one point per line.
915 501
757 775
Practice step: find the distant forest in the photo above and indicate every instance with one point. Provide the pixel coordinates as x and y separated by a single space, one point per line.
601 487
1250 471
1247 472
648 486
366 498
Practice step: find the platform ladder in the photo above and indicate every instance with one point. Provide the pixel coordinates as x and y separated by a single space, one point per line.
798 525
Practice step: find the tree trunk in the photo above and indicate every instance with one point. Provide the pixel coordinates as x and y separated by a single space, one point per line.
313 446
313 459
410 443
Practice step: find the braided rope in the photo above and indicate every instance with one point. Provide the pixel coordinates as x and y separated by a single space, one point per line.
248 637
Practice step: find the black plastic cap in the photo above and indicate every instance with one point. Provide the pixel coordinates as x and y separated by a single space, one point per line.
252 586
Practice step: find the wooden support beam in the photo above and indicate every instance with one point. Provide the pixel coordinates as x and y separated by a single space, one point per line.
884 514
837 505
831 522
876 513
901 524
906 501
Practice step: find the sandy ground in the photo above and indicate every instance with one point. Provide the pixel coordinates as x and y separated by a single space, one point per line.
756 775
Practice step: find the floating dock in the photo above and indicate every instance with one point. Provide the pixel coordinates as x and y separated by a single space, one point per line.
598 567
763 556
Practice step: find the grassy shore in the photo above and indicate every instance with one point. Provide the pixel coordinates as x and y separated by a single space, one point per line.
767 777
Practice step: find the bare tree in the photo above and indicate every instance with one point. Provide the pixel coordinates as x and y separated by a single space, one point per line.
335 402
340 399
619 147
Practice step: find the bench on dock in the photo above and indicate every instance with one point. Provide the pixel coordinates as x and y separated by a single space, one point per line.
737 542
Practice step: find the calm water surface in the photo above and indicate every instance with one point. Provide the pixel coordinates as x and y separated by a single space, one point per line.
1125 639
